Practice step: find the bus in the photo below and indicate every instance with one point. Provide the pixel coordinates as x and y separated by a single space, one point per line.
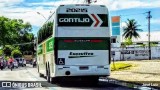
75 43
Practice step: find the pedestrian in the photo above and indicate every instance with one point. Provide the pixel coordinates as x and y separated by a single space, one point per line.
11 63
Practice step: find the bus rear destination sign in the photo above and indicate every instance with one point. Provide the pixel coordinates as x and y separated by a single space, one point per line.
85 20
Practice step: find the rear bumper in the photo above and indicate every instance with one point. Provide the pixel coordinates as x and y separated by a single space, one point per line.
75 71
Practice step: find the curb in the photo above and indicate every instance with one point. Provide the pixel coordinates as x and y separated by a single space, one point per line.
132 85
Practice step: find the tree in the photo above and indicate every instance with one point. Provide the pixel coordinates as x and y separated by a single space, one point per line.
128 41
4 30
7 49
1 52
16 53
27 37
131 29
12 31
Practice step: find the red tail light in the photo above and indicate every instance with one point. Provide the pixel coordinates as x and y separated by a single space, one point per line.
96 41
68 40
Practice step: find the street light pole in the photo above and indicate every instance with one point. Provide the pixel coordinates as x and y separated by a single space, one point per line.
149 46
42 15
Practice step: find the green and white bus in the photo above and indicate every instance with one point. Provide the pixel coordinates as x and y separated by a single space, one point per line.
75 42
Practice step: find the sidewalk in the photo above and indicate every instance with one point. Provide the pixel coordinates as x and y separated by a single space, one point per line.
144 70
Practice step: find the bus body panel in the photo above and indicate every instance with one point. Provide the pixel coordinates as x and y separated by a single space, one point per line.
78 57
93 70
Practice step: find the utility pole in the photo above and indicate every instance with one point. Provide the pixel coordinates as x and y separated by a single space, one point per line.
88 1
149 46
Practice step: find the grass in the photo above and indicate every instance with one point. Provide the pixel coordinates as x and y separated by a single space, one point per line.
120 66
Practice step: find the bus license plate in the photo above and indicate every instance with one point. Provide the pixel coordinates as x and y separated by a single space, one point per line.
83 67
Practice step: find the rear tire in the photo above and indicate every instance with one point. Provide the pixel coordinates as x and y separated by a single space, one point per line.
94 80
48 74
54 80
41 75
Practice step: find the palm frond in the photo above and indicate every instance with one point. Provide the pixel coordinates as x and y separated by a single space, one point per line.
131 29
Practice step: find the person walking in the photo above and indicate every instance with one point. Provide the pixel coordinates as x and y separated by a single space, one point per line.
11 63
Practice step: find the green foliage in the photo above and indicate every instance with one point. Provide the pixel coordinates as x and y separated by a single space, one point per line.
153 44
1 52
143 45
128 41
16 53
131 29
13 31
6 58
7 50
45 31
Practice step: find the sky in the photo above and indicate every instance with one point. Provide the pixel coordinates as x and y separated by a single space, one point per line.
126 9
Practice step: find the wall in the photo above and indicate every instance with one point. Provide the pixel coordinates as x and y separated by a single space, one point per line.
135 53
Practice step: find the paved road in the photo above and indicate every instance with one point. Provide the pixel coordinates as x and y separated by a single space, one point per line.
30 74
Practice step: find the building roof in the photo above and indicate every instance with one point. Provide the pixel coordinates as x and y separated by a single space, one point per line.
154 37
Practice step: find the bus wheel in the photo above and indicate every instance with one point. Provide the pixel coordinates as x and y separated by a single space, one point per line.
41 75
94 80
48 75
55 80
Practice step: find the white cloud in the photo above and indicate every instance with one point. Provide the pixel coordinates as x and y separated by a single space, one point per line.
4 3
126 4
10 1
30 14
155 21
123 24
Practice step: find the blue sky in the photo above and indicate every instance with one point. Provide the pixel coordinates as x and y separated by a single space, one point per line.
128 9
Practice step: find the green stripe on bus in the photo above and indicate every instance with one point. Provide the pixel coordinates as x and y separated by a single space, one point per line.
39 51
83 43
50 45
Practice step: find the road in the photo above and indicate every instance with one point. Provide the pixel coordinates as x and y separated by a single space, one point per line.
30 74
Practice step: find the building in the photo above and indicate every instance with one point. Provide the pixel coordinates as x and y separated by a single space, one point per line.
143 40
139 49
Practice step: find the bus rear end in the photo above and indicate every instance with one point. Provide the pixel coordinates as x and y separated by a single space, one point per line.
82 41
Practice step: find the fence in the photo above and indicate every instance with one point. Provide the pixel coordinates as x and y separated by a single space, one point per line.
135 53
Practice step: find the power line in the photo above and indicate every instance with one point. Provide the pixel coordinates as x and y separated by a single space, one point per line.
22 43
133 14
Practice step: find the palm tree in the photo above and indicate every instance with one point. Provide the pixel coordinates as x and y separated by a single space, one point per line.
131 29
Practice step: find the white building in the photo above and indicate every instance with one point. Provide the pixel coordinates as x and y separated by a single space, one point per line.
154 38
134 51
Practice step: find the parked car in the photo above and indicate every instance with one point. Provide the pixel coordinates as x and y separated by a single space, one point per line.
21 61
